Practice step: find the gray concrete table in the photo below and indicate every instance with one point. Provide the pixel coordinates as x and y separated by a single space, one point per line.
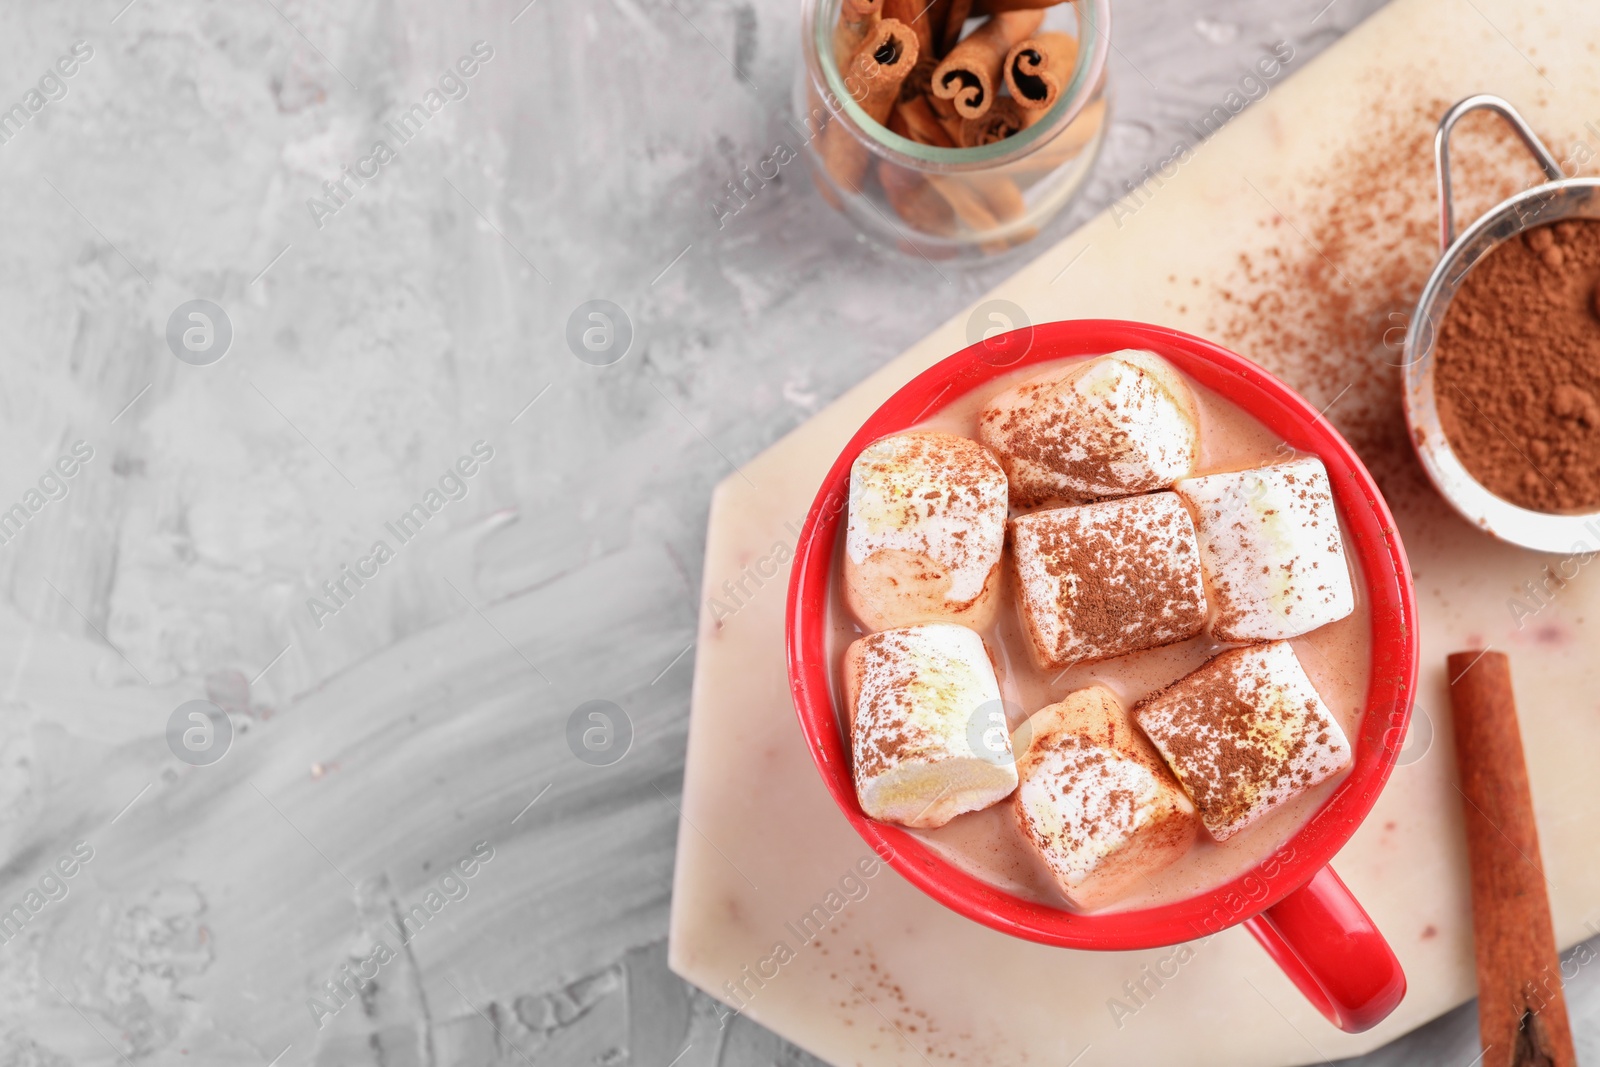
366 504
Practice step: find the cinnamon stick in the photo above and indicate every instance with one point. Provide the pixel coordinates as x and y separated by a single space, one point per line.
970 76
1064 146
981 200
1001 195
921 76
985 202
856 19
919 15
1004 118
1036 70
915 120
881 63
916 14
917 203
1522 1012
885 58
945 111
932 204
956 13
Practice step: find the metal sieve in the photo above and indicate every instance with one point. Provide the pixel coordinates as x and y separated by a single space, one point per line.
1559 198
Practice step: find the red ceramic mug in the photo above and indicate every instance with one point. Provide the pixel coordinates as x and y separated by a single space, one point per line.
1292 902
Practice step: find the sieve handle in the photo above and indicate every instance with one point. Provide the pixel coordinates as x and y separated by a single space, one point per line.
1441 154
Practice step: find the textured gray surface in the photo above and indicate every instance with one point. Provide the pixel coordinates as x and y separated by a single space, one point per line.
372 346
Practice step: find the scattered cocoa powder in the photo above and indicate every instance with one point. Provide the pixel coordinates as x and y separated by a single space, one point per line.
1324 298
1517 369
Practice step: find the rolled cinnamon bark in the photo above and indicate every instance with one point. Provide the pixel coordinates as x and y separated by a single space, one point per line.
968 203
970 76
1039 68
1522 1012
921 76
931 205
985 203
956 13
879 66
1004 118
914 120
916 14
915 201
945 112
882 63
1001 194
938 13
1065 145
856 19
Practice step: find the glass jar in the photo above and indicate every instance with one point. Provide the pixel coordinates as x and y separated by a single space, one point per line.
946 203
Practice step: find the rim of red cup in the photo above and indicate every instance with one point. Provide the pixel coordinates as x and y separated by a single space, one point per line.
1371 537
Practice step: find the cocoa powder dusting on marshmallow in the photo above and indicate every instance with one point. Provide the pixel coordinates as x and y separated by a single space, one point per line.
1117 576
884 686
1047 439
1234 740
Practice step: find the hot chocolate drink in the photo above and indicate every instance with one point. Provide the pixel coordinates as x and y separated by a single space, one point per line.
1096 638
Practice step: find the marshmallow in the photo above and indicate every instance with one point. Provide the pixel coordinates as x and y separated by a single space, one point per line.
1270 547
921 700
1101 580
1110 426
1245 734
927 523
1095 800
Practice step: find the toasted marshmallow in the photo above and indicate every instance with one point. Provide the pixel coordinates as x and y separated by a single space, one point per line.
1110 426
1245 733
1104 579
922 702
1270 547
927 524
1095 799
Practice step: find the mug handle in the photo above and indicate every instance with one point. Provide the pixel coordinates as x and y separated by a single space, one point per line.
1329 947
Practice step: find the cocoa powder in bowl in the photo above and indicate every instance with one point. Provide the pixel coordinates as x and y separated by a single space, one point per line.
1517 369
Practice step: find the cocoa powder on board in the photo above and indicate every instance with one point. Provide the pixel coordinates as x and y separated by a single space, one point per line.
1517 369
1325 301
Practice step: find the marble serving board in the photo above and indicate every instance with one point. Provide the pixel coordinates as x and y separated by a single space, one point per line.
1298 235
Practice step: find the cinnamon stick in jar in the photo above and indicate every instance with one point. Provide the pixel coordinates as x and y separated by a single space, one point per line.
911 196
931 205
945 112
984 202
955 15
856 19
970 76
915 121
915 201
1065 145
1004 118
1522 1011
1036 70
880 65
917 14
